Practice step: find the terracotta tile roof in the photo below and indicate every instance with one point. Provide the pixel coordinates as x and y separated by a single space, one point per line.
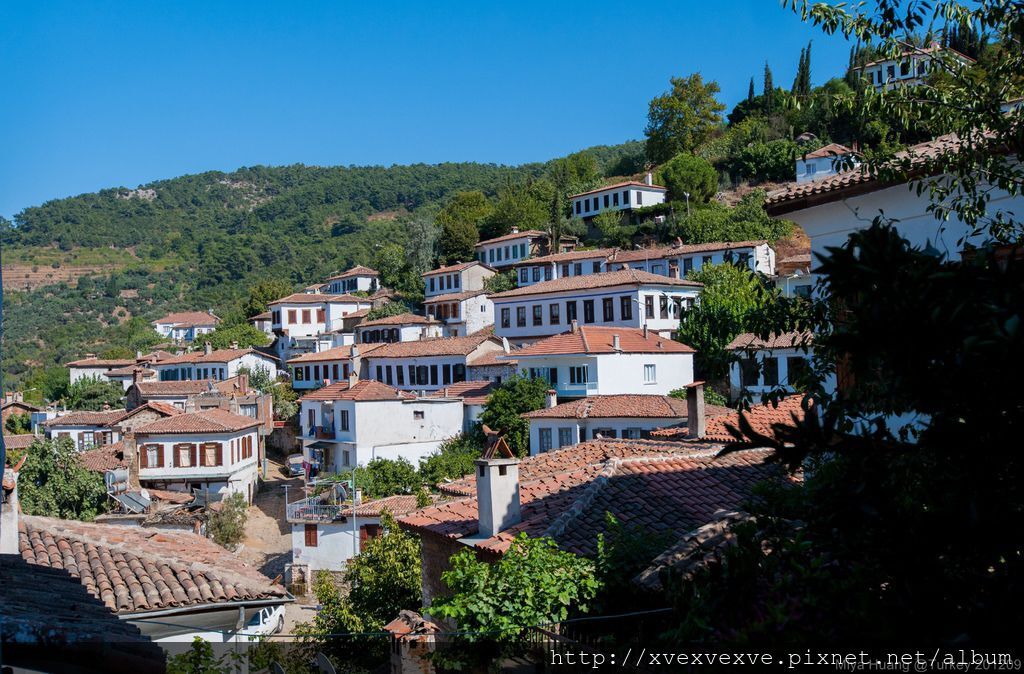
667 493
634 406
215 356
136 569
358 270
437 346
571 256
104 458
363 391
20 404
18 441
101 362
694 550
129 371
593 340
162 408
399 504
319 298
471 392
795 196
623 277
764 419
492 358
208 421
174 388
830 150
187 319
532 233
334 353
459 266
784 340
265 316
86 418
454 297
663 252
401 319
628 183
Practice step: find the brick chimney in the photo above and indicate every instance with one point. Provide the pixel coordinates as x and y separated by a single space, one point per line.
137 375
131 456
497 490
243 382
696 422
575 326
551 398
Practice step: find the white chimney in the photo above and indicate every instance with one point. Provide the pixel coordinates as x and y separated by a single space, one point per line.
616 346
207 348
9 516
552 398
515 229
648 179
497 490
696 422
575 326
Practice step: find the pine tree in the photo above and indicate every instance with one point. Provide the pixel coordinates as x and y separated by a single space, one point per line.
769 89
750 92
802 81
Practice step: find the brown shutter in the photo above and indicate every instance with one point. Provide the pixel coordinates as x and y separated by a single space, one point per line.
321 317
176 455
143 457
219 460
363 535
160 456
311 541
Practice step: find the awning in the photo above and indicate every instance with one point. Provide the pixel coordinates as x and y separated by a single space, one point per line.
320 444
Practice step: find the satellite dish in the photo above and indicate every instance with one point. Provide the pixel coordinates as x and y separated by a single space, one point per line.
324 665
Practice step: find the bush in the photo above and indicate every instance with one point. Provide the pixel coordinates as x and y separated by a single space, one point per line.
500 282
387 477
711 396
227 526
513 397
454 459
53 483
688 174
774 160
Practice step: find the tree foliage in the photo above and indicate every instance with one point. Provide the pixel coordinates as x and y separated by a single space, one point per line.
53 483
387 477
514 396
460 221
688 175
227 525
682 118
262 293
242 336
93 393
454 459
18 424
392 308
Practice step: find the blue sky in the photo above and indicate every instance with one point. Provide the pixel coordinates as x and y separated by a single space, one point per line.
99 94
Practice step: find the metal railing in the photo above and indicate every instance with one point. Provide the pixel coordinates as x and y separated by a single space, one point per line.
313 510
324 432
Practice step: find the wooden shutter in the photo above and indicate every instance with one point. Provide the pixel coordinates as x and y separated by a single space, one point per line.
311 541
321 316
143 457
363 535
219 457
160 455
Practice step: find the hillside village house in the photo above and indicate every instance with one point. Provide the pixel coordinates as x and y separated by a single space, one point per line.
87 429
909 69
430 364
92 367
628 416
456 278
350 423
214 364
302 321
766 365
405 327
462 313
503 251
313 370
356 279
213 452
679 259
626 298
793 275
263 322
186 326
14 403
626 196
600 361
474 395
822 162
492 366
562 265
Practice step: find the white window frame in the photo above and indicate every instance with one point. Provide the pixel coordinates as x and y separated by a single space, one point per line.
650 373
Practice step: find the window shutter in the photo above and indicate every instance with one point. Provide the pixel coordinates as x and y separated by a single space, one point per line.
143 457
219 459
363 536
160 455
311 536
321 317
176 455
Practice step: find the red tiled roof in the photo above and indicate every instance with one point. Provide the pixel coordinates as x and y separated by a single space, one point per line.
189 319
104 457
129 371
20 404
399 504
319 298
437 346
401 319
628 183
621 406
265 316
18 441
136 569
358 270
668 492
623 277
459 266
662 252
830 150
87 418
588 339
471 392
207 421
569 256
334 353
363 391
215 356
454 297
161 408
491 358
174 388
532 233
101 362
784 340
763 418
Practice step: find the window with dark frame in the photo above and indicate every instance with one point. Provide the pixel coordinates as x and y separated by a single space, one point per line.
588 311
608 309
520 317
553 313
626 308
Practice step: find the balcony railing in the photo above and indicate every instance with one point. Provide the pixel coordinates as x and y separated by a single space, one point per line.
313 510
577 389
323 432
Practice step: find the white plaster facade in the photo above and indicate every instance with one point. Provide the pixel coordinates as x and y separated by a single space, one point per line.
217 365
679 260
621 197
165 466
580 375
461 314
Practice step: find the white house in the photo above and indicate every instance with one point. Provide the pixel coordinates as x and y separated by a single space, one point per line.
910 68
430 364
356 279
456 278
84 428
822 162
562 265
494 366
92 367
185 326
213 364
679 259
598 361
213 451
326 535
263 322
624 416
474 395
313 370
301 321
405 327
793 277
462 313
626 298
350 423
762 366
503 251
625 196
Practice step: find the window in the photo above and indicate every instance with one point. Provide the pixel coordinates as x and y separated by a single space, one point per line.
579 207
417 415
577 269
803 291
578 374
625 198
306 319
770 369
648 307
536 274
743 260
748 372
626 308
431 285
545 439
663 306
608 309
490 255
210 454
553 313
615 199
547 273
904 68
524 275
604 433
506 318
658 269
797 370
596 267
310 531
507 256
520 317
639 198
631 433
400 375
152 456
433 375
588 311
687 265
565 434
380 373
890 72
421 375
607 200
458 372
650 373
446 374
706 260
316 373
538 314
292 313
387 375
570 311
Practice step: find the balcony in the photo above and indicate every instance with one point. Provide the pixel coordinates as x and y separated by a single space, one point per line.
323 432
576 390
314 510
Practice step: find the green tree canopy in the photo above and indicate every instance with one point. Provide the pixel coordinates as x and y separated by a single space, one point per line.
392 308
386 477
745 222
515 395
245 335
460 220
686 174
93 393
264 292
53 483
681 119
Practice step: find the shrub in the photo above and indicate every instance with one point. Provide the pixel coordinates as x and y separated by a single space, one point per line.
688 174
227 526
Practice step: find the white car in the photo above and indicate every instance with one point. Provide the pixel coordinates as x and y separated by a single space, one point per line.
266 621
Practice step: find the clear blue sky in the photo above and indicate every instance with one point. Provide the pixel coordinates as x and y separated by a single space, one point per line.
102 94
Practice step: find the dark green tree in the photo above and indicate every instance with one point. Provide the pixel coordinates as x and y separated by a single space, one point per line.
264 292
682 118
460 220
53 483
768 90
516 395
687 175
243 335
92 393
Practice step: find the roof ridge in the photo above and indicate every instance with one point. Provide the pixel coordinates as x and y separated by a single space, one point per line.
579 506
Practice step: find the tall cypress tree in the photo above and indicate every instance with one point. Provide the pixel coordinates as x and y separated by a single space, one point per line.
750 92
798 78
769 89
806 72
